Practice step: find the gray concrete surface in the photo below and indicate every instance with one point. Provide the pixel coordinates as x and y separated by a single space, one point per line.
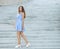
42 25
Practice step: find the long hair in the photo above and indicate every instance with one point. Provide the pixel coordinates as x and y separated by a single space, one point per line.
22 11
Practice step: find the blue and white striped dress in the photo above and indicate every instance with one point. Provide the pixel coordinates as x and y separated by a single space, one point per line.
19 23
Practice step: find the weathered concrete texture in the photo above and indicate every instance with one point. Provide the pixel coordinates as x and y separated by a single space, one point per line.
13 2
42 25
8 2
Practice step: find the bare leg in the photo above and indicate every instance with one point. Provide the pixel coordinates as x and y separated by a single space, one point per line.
19 37
24 37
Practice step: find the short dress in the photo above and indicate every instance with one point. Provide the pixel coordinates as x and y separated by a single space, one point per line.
19 23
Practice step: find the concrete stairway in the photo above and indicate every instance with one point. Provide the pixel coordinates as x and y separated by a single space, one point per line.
42 25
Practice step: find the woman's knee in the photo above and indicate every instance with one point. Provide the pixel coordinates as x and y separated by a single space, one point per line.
21 33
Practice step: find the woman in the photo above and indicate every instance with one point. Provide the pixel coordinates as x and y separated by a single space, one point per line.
20 26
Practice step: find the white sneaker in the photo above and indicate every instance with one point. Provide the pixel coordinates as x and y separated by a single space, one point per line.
28 45
17 46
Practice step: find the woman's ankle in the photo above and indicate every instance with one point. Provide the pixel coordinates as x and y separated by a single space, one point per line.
27 43
18 44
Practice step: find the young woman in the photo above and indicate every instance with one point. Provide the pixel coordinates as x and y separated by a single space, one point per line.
20 26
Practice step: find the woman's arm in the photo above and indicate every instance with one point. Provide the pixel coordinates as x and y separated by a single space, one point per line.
22 20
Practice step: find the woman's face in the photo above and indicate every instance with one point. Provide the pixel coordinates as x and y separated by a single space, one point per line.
21 9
